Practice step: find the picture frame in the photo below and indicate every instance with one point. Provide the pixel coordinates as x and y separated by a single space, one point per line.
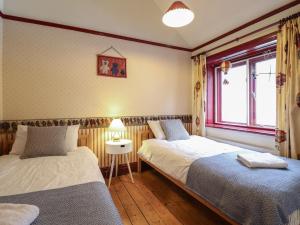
110 66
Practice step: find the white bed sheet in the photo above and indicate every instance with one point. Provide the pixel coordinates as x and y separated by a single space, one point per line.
176 157
28 175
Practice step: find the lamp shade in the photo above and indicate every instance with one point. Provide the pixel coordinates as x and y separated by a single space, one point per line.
116 125
178 15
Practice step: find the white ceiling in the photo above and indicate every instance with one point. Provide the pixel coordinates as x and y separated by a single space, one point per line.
142 18
215 17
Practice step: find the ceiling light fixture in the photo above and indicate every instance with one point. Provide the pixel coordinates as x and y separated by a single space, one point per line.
178 15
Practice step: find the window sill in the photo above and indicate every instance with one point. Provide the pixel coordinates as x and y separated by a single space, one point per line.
256 130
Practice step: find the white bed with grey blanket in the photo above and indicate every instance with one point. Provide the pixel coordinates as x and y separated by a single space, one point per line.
67 189
210 169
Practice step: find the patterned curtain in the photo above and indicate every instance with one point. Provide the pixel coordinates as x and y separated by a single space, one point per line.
288 88
199 96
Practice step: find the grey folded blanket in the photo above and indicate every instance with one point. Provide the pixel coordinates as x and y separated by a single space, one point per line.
249 196
88 203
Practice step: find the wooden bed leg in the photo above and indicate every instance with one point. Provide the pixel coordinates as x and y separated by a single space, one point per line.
139 166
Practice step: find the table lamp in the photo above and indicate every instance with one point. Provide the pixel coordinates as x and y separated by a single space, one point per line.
116 126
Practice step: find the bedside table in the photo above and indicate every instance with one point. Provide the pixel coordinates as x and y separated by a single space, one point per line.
122 147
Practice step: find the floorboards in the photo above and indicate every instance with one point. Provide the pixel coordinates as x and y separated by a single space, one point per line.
154 200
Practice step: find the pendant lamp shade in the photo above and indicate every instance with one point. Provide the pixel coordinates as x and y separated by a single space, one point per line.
225 66
178 15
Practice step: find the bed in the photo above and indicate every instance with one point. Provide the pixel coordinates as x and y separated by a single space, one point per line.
208 170
67 189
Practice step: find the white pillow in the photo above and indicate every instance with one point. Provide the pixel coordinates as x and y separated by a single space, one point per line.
72 137
21 139
156 129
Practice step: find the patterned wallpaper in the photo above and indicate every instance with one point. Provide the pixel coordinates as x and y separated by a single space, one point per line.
1 66
51 73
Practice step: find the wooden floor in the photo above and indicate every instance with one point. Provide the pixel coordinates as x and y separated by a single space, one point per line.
152 199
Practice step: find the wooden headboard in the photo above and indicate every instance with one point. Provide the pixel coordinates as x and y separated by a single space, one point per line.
7 140
144 135
85 140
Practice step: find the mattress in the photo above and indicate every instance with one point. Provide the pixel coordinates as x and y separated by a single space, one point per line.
176 157
44 173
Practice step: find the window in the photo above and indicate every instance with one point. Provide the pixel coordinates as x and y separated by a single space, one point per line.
264 92
246 95
232 89
245 98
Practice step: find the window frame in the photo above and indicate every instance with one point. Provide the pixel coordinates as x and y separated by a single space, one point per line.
252 62
251 52
218 78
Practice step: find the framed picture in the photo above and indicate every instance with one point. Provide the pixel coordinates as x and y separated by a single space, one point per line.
111 66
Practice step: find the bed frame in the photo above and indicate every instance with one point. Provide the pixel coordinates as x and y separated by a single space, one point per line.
147 134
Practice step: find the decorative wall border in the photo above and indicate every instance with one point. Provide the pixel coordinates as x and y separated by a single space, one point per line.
88 122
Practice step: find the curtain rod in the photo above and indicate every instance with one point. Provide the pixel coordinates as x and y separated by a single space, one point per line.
237 39
284 20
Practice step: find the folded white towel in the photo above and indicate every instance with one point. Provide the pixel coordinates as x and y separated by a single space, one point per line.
17 214
261 160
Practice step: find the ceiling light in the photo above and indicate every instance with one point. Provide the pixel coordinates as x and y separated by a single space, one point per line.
178 15
225 66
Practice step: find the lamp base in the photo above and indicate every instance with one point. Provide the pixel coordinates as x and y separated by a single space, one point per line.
116 139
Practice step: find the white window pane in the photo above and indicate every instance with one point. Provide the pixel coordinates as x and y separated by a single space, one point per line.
234 95
266 92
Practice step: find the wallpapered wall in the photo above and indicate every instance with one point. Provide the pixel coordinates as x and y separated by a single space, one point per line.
1 67
51 73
